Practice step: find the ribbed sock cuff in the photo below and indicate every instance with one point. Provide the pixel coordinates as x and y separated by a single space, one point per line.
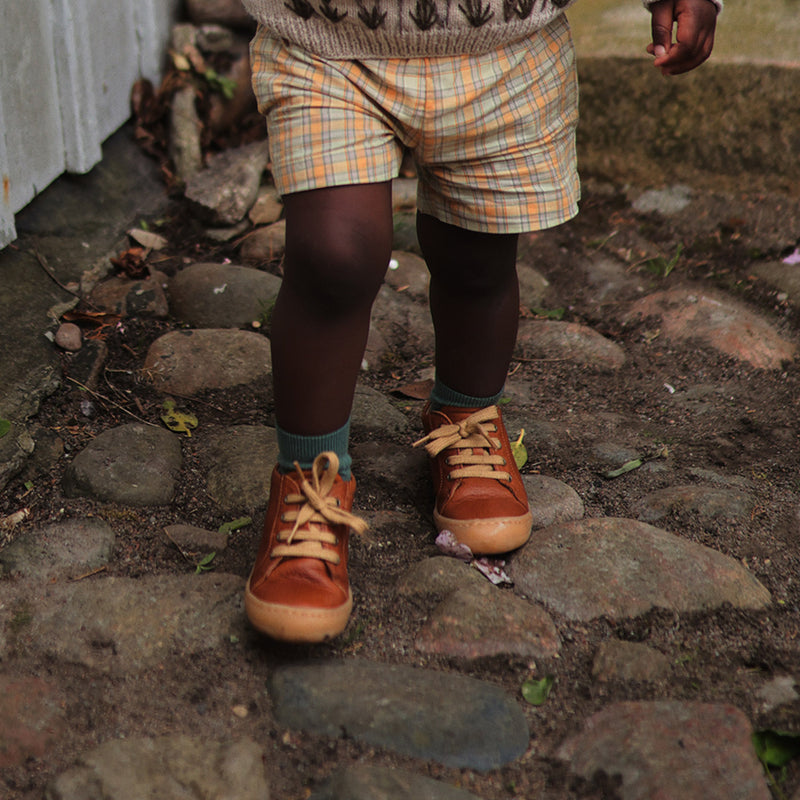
443 395
304 449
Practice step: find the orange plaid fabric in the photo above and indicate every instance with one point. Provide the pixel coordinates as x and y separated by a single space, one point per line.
493 136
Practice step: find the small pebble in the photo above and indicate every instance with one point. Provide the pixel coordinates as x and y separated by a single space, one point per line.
68 337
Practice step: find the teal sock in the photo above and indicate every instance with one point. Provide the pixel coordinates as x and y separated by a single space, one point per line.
443 395
304 449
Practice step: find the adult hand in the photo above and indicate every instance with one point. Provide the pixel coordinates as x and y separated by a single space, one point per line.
696 21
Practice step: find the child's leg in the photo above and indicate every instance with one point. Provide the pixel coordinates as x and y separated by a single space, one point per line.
480 496
474 299
338 245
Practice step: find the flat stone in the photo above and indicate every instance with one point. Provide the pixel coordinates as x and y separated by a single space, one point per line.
132 464
717 321
31 719
622 568
227 188
366 782
628 661
455 720
568 341
191 361
401 469
551 500
533 287
267 208
165 767
142 298
124 625
408 273
707 502
779 691
62 549
374 412
208 295
668 201
243 457
670 749
265 244
478 621
405 323
437 577
190 537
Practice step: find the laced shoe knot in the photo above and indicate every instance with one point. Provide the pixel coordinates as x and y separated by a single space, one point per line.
316 511
473 442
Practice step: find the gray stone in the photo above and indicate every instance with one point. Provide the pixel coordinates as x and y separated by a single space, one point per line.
480 621
667 201
133 464
265 244
705 502
189 361
613 454
455 720
373 412
551 500
185 129
123 625
404 323
437 577
785 277
408 273
628 661
166 767
140 298
197 540
621 568
533 287
65 549
222 295
242 458
227 188
267 208
691 751
366 782
568 341
779 691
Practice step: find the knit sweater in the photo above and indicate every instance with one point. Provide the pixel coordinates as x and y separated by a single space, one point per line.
406 28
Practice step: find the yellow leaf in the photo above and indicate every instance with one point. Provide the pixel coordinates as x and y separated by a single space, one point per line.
178 421
519 451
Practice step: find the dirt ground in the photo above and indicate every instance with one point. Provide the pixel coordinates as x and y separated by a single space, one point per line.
743 423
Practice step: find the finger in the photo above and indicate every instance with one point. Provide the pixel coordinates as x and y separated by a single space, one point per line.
661 28
693 45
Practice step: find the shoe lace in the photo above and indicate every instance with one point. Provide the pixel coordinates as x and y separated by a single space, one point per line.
472 440
316 508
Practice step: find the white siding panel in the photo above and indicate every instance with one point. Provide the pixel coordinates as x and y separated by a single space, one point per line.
29 94
114 47
7 230
76 86
66 72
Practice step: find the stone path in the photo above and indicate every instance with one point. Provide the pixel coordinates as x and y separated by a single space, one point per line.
117 684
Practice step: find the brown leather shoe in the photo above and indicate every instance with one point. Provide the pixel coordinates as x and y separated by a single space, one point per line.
480 497
298 590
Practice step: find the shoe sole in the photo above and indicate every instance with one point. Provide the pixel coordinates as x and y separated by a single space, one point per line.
488 536
297 624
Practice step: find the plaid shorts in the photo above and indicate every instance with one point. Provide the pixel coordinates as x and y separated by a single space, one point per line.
492 136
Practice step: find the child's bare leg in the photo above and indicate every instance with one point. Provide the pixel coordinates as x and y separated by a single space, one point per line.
474 298
338 245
